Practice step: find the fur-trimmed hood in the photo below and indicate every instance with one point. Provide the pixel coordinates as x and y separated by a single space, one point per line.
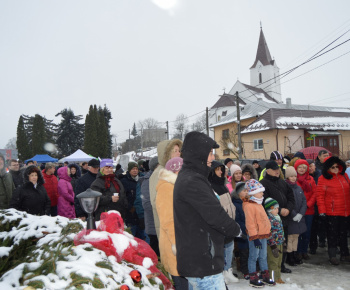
250 168
31 168
77 167
3 170
167 175
167 151
329 162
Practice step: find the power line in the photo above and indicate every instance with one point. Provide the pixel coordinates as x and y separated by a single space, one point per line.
331 97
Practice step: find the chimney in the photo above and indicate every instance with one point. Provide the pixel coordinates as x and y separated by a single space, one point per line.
288 103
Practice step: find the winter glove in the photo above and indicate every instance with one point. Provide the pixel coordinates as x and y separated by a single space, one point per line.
298 217
274 251
257 244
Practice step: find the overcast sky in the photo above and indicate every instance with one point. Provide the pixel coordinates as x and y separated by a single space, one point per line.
160 58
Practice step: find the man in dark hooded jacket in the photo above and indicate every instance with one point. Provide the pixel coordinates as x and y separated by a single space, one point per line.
201 224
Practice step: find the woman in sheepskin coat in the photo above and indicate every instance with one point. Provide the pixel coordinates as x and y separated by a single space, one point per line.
65 204
164 204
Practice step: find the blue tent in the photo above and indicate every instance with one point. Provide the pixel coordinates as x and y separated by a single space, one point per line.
42 158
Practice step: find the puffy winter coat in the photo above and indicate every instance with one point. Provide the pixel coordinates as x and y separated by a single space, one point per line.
106 203
310 194
164 155
147 206
6 187
51 186
31 199
164 203
278 189
277 233
76 176
65 204
295 227
256 221
17 177
333 191
240 219
201 223
82 184
247 167
130 184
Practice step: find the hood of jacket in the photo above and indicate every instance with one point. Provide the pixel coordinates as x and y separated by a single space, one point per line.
213 178
62 173
195 152
250 168
164 149
28 169
329 162
77 167
167 175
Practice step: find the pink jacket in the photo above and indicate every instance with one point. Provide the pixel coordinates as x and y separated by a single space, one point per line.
65 205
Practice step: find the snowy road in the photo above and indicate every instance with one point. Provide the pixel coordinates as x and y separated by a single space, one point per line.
314 274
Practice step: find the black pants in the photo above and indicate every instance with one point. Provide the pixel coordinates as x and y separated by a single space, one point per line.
243 259
154 244
318 228
180 283
337 232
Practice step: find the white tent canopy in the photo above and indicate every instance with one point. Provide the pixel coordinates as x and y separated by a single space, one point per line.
77 156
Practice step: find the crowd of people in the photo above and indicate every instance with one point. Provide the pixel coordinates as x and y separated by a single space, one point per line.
201 216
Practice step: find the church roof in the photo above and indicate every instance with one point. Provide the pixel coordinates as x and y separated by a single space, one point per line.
260 91
263 53
227 100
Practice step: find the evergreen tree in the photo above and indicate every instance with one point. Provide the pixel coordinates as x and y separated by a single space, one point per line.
108 117
23 147
38 135
102 136
134 131
90 132
70 133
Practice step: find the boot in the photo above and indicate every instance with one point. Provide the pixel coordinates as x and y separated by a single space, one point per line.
266 278
229 277
297 258
332 253
280 281
345 258
290 259
283 267
254 280
305 256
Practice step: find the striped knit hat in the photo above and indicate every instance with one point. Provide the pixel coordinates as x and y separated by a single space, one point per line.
270 204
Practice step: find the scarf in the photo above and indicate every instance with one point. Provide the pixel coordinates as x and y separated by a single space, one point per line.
289 182
257 200
108 179
303 180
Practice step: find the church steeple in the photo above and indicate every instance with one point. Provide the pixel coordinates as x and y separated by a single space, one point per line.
263 53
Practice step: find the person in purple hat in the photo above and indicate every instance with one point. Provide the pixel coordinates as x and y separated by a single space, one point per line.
113 195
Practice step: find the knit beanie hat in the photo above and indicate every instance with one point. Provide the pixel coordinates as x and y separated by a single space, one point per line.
174 164
234 168
254 187
290 171
106 162
239 187
275 155
227 160
131 165
270 204
140 162
153 163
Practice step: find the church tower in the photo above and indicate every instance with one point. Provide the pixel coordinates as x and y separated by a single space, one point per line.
264 73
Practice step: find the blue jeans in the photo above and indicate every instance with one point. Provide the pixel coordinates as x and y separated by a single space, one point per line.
213 282
304 238
257 254
228 254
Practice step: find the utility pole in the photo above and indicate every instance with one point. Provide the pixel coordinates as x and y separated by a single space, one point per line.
141 143
239 127
207 120
167 130
129 133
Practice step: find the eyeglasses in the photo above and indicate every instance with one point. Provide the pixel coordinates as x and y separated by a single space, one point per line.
334 167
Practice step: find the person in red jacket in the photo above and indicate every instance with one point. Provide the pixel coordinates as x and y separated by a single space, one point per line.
333 200
308 185
50 185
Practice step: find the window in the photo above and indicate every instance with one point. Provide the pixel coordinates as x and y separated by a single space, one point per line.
219 118
335 142
224 113
226 152
225 134
331 142
258 144
260 78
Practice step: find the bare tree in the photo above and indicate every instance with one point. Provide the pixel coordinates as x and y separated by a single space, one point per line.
149 123
11 144
180 126
200 123
229 141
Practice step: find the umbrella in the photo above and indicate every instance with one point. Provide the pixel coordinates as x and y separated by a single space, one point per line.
312 152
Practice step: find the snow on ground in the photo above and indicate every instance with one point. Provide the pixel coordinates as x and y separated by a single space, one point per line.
317 273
